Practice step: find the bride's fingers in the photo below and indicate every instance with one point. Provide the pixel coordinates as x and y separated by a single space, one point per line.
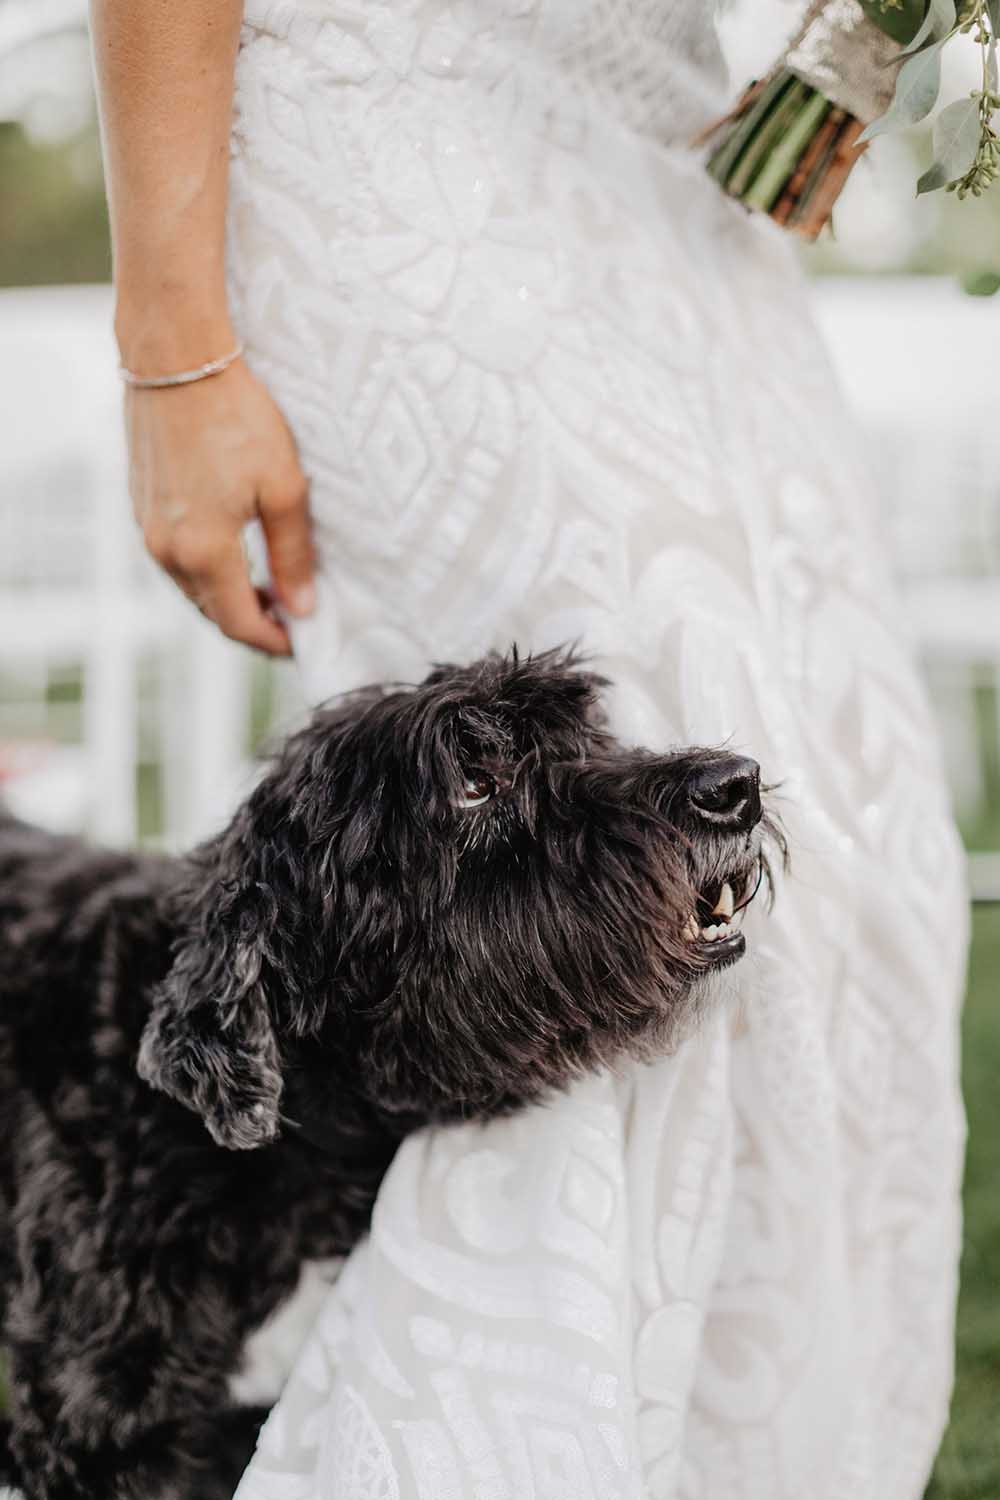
268 601
219 584
284 516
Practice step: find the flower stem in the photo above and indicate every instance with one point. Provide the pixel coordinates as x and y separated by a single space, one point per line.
782 161
763 99
768 137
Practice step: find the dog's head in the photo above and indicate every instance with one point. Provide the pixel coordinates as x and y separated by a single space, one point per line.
454 897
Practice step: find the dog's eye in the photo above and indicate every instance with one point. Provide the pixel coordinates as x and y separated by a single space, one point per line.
478 787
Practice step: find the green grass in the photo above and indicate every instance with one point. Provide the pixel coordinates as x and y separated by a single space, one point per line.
982 829
968 1466
53 220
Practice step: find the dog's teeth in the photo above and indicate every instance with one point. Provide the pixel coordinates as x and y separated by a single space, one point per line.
710 934
726 903
692 930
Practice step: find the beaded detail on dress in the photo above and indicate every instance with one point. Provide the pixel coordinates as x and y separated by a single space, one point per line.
655 66
549 383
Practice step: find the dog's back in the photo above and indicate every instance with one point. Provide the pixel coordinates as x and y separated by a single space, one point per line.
61 903
69 914
102 1179
126 1231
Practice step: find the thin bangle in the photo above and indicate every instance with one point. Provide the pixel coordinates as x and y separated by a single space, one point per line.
185 377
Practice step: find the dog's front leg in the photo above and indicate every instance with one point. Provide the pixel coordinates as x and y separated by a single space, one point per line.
180 1459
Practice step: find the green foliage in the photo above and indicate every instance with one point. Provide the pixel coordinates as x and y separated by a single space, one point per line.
981 283
956 142
968 1466
939 23
966 146
53 220
917 88
900 19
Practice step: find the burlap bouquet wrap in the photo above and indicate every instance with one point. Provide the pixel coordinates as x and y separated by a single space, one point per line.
844 57
789 145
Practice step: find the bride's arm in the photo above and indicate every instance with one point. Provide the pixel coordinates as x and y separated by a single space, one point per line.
204 458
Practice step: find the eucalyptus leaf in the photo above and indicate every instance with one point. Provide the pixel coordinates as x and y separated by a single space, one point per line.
917 88
993 11
938 25
981 283
991 64
901 22
956 142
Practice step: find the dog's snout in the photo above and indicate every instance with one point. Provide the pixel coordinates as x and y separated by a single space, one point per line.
726 793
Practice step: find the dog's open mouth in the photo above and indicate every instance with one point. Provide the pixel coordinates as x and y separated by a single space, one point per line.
718 918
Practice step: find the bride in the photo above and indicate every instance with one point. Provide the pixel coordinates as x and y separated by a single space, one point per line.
546 383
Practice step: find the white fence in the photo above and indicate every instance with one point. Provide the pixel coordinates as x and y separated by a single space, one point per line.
161 689
916 359
77 594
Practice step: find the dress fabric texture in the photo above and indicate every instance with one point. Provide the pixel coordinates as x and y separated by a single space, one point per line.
550 385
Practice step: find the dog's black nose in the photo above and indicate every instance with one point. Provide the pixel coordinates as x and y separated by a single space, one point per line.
726 793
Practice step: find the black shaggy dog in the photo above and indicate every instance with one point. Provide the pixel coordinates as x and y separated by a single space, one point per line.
442 903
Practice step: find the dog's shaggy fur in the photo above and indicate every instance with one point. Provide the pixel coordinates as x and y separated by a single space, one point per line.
441 903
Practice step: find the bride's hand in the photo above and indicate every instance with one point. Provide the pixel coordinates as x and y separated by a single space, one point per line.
204 459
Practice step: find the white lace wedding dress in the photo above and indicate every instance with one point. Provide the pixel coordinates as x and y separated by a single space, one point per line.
549 384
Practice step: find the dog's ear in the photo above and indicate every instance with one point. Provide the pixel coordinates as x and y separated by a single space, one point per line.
251 922
210 1041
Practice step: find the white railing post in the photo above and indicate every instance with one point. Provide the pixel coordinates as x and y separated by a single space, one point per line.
111 699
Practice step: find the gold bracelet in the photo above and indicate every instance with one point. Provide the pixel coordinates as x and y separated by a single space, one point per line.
185 377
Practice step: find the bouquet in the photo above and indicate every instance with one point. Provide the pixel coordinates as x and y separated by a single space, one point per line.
855 69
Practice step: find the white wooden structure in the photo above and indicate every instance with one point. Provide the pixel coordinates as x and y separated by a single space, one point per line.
77 593
76 590
915 357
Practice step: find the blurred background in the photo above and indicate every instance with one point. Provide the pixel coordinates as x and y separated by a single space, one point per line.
123 714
